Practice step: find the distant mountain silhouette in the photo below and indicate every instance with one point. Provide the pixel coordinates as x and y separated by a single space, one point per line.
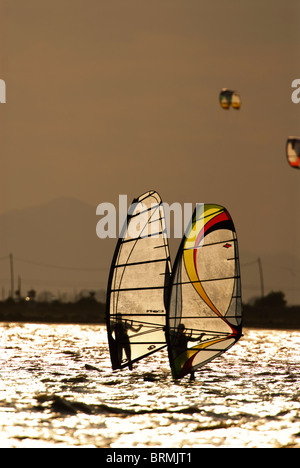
62 234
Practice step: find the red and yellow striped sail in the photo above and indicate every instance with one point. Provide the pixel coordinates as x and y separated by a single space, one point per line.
204 313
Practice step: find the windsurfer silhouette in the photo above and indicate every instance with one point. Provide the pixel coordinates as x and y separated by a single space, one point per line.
181 343
122 341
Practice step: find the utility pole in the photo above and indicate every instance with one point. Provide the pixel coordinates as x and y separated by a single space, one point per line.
12 286
261 277
18 291
19 287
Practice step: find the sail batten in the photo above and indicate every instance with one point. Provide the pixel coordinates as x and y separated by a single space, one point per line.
205 292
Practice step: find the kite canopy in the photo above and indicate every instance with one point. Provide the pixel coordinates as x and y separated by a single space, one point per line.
293 151
204 313
229 98
138 282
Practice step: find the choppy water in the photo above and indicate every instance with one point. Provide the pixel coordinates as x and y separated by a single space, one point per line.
249 397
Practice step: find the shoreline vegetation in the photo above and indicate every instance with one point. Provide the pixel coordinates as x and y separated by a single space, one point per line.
85 310
270 312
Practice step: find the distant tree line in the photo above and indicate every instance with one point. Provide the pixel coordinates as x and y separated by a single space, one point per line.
273 299
47 296
271 311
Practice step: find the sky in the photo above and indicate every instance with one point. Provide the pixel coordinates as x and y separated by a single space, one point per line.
120 97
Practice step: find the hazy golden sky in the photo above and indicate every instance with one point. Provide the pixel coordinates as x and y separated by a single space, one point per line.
109 97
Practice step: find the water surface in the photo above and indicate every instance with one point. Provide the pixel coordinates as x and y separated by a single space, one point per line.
51 396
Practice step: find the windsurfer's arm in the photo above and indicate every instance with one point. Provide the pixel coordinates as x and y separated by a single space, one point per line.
130 326
135 329
197 338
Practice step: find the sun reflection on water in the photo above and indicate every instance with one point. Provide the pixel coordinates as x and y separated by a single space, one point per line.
249 397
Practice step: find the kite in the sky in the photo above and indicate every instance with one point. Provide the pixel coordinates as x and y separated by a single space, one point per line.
229 98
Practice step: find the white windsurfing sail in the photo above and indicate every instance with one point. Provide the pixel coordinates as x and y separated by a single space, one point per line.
138 284
204 310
